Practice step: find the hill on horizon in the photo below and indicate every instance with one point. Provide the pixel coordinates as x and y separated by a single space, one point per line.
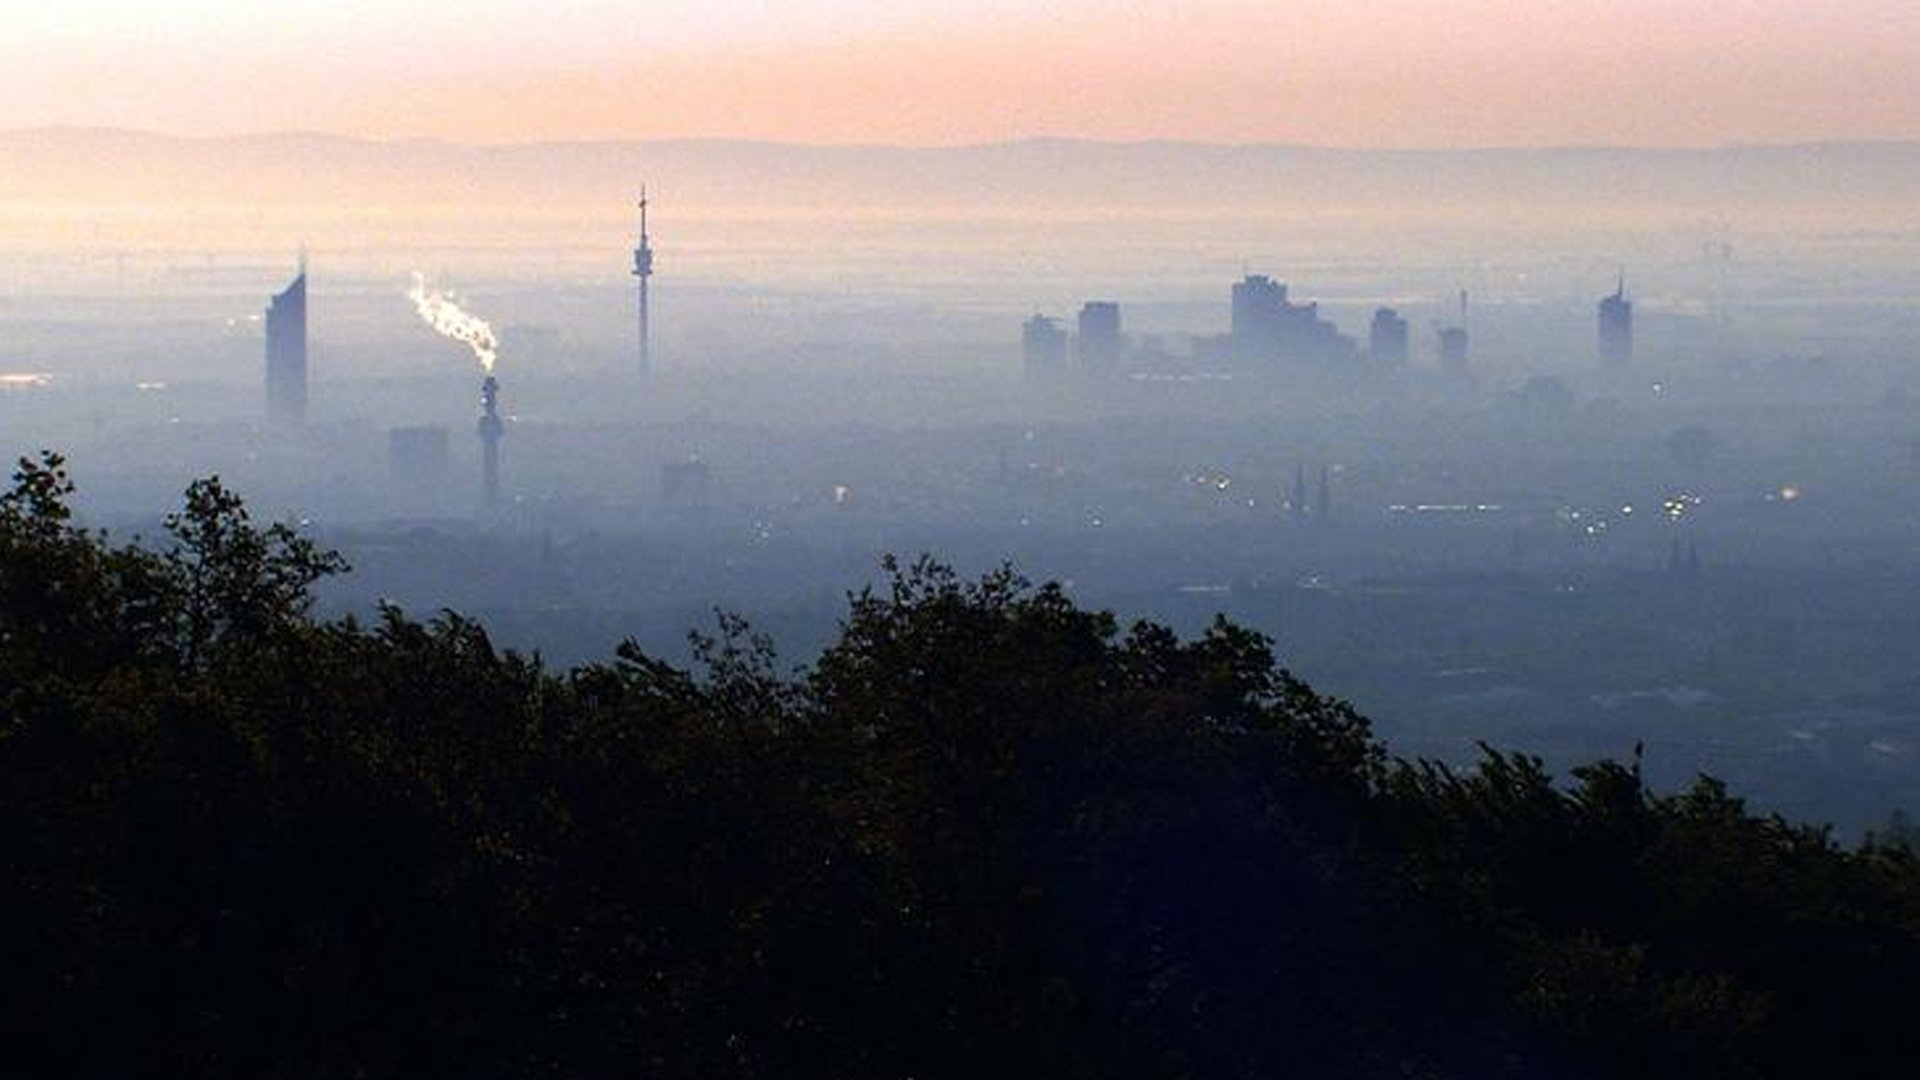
79 165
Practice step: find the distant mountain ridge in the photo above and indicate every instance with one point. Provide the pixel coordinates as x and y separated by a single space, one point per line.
108 165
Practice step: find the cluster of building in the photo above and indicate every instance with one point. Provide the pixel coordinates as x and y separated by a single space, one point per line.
1268 327
419 455
1271 332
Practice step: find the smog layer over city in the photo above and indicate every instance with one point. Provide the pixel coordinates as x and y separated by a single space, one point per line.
1570 412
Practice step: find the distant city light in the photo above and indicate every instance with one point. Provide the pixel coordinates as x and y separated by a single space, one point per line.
1445 508
1678 506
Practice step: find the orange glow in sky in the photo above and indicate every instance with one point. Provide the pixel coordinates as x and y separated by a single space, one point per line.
1354 73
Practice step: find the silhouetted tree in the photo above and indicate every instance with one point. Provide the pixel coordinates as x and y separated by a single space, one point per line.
984 833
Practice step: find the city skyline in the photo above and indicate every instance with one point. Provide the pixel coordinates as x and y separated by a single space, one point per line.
1366 73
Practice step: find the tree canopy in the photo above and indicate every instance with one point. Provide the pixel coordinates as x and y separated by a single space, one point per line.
985 833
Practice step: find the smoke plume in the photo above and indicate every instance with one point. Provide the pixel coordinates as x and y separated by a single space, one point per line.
442 311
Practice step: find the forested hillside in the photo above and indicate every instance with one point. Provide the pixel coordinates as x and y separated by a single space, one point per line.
985 834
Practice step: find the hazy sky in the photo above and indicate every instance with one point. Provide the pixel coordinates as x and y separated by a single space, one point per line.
1331 72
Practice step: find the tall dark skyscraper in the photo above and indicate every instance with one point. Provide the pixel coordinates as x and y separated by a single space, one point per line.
287 353
1616 327
1388 341
1099 346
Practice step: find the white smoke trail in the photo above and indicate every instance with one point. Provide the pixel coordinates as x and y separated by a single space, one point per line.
443 312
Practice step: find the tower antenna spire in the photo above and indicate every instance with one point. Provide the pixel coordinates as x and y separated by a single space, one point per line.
643 269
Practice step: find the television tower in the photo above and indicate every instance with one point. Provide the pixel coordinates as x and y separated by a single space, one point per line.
643 269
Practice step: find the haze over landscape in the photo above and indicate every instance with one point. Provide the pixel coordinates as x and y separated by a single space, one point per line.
1538 378
837 326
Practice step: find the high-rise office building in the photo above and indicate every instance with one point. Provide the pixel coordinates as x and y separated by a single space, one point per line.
1268 328
286 373
1259 306
1099 346
1043 345
1616 327
1389 338
1454 343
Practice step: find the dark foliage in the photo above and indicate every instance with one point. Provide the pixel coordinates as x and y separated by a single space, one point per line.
986 834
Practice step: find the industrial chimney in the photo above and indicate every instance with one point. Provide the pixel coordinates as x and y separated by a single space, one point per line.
490 430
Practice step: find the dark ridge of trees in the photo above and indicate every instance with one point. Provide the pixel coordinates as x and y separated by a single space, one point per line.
985 834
